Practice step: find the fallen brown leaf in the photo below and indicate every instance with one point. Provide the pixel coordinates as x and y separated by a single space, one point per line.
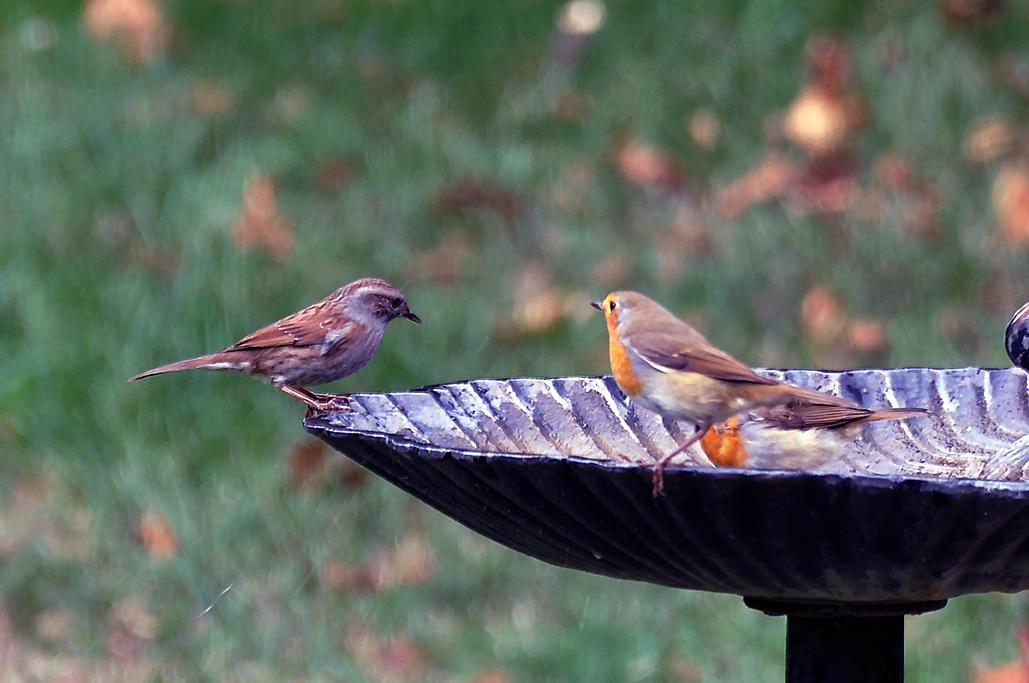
157 536
894 171
687 671
921 214
646 165
352 474
769 179
1011 202
212 98
305 464
342 576
136 27
705 128
867 335
968 11
389 660
490 676
1013 672
468 195
445 262
410 562
131 627
259 224
335 174
827 185
829 64
990 138
538 305
822 315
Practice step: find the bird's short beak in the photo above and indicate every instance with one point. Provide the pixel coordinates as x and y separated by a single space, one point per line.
409 314
597 305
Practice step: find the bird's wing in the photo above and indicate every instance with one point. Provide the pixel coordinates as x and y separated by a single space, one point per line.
800 415
311 326
667 352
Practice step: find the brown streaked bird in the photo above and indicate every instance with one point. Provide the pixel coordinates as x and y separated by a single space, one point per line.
326 341
664 365
795 435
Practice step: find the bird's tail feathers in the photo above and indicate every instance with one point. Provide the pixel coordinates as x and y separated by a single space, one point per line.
211 361
896 414
803 395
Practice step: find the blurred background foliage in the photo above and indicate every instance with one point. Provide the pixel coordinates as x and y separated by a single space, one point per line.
813 183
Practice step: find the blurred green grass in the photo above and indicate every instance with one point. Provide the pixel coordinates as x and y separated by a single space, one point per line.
118 198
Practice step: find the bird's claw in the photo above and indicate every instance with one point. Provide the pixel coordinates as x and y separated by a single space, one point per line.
327 403
658 481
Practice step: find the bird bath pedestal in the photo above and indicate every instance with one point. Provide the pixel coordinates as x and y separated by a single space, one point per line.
917 512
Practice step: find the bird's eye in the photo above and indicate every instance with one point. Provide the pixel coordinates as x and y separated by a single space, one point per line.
612 305
396 302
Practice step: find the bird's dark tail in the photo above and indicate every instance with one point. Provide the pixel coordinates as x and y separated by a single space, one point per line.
896 414
212 361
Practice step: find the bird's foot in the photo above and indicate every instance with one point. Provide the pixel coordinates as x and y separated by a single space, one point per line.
317 403
658 481
328 403
332 401
658 477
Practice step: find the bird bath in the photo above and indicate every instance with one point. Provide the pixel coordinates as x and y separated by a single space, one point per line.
919 511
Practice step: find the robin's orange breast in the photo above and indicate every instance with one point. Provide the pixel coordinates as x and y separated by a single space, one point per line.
621 366
723 446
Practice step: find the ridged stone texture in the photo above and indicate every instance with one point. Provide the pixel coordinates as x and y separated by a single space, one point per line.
920 510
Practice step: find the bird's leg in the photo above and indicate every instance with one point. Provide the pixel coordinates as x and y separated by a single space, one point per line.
659 469
314 401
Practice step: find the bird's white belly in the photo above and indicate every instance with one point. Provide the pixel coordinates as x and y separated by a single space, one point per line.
689 395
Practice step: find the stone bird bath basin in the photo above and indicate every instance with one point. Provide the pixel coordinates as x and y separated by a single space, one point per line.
917 512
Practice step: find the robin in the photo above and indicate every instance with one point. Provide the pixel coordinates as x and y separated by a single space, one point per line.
664 365
326 341
796 435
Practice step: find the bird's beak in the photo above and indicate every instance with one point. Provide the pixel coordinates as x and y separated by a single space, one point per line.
409 314
597 305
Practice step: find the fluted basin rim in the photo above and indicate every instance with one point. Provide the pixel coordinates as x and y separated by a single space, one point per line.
1021 489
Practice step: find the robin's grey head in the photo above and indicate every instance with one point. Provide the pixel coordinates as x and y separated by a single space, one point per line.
375 299
622 309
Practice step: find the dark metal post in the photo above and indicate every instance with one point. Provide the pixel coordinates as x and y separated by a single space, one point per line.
844 649
843 642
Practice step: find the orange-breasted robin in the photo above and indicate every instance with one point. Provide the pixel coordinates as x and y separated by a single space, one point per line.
326 341
795 435
664 365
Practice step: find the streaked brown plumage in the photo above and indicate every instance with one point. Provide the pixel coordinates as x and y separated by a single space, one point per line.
326 341
665 365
